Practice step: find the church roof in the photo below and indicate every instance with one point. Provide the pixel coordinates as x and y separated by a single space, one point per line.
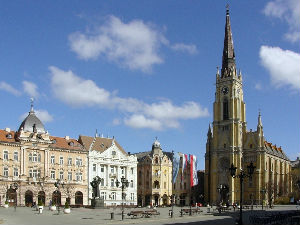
100 144
228 59
276 151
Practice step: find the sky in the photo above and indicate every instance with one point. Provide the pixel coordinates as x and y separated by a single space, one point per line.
140 69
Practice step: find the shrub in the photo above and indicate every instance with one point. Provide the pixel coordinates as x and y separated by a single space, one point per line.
282 201
67 205
40 203
6 202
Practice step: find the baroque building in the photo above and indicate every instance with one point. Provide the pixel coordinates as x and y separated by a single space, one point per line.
108 160
229 142
154 177
34 160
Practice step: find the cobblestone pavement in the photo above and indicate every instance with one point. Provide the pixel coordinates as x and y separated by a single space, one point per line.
29 216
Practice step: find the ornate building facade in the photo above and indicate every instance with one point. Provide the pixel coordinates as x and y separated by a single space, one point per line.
33 160
229 142
155 186
108 160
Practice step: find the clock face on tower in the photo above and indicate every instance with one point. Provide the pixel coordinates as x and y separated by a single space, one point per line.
225 90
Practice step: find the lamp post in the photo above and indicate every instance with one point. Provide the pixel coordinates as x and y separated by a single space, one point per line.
15 187
58 184
263 192
124 184
241 176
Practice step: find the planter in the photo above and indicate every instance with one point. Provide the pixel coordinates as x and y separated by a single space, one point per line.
53 208
5 206
67 210
40 208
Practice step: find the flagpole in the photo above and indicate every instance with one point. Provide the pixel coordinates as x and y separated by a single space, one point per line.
172 195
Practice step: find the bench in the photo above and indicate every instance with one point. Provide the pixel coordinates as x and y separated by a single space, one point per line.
152 212
135 214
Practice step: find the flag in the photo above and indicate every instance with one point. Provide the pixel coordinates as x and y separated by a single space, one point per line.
175 165
184 163
193 170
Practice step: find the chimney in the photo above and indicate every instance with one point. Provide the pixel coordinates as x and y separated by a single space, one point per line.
7 129
67 137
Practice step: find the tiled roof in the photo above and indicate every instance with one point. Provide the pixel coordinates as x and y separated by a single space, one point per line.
141 155
60 142
276 151
5 136
101 144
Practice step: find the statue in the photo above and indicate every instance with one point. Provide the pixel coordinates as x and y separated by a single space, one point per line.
95 185
97 201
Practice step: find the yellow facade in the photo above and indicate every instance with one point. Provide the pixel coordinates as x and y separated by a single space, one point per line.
155 179
34 160
229 142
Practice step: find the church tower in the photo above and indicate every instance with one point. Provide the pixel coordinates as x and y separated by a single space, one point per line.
225 141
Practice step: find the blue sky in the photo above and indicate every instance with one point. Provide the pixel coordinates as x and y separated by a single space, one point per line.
140 69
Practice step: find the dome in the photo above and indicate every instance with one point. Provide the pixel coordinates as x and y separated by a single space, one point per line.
156 144
32 124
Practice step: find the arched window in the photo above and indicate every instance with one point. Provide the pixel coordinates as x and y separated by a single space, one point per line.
39 157
156 160
225 110
34 158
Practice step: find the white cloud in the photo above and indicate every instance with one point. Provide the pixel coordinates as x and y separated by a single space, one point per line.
191 49
134 45
30 89
258 86
43 115
75 91
283 66
139 121
289 11
7 87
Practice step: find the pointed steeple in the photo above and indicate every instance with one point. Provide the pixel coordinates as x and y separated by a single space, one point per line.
209 133
228 60
31 105
259 123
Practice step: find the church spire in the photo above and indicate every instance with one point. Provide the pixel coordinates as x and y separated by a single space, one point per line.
228 60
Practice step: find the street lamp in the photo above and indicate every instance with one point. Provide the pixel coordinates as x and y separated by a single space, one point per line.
241 176
58 184
15 187
124 184
263 192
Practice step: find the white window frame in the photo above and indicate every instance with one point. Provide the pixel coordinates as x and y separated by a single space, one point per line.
69 161
5 155
16 156
69 176
5 171
94 167
52 159
61 160
16 172
52 174
61 175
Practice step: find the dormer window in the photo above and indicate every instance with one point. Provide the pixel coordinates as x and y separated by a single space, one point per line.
54 141
71 143
9 136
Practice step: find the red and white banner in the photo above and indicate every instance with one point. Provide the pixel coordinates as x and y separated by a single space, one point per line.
193 170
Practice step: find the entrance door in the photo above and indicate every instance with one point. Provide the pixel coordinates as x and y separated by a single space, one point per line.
41 197
28 198
56 198
147 200
156 197
11 196
79 198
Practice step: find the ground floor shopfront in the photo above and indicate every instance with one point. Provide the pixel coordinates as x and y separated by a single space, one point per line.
29 194
163 200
